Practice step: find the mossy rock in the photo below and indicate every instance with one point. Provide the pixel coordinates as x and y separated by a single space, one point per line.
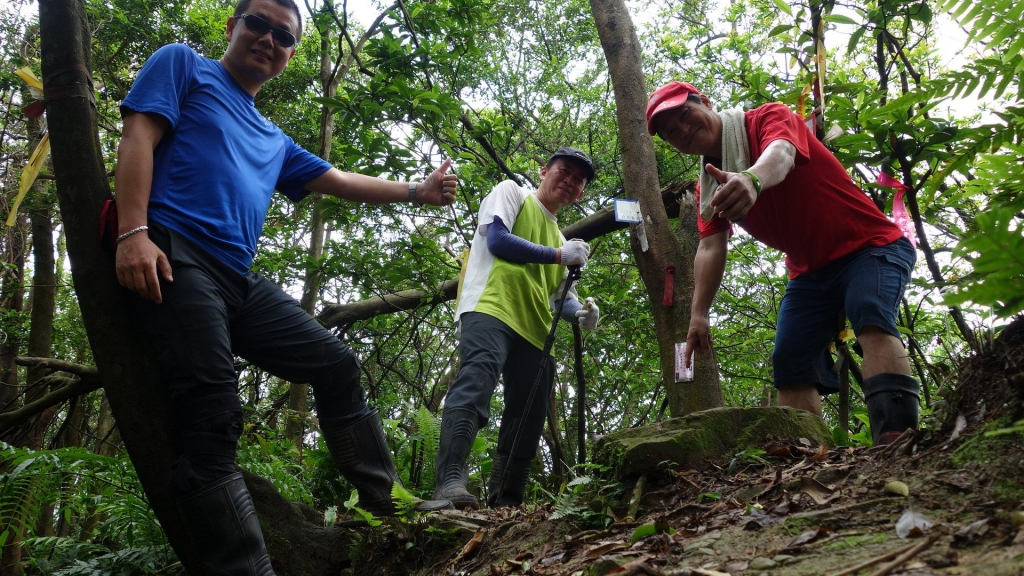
693 440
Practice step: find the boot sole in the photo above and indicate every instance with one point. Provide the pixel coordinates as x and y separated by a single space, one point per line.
463 501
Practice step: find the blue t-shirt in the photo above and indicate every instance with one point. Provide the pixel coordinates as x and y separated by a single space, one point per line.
219 162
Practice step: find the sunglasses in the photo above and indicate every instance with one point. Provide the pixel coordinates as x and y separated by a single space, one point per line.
259 26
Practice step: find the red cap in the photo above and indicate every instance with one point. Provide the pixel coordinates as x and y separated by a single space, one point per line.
669 96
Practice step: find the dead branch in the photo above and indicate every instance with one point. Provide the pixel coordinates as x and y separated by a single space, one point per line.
67 388
57 365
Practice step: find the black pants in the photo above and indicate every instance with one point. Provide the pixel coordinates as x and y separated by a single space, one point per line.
489 349
209 314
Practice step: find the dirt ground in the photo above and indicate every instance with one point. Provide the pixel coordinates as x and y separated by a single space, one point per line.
947 500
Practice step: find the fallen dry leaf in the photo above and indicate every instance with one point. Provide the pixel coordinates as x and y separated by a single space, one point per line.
552 559
628 566
972 532
470 546
808 537
821 454
603 548
818 492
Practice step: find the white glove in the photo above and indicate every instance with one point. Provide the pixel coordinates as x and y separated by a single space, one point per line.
588 315
575 253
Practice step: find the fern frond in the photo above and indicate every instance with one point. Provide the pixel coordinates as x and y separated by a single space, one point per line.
25 488
981 78
972 142
429 428
1000 176
997 247
568 506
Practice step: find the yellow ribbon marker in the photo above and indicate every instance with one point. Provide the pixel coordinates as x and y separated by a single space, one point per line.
30 79
35 161
28 176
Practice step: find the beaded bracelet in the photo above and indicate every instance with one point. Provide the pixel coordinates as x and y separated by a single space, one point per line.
130 232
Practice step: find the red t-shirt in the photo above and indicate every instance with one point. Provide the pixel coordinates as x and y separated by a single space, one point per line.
817 214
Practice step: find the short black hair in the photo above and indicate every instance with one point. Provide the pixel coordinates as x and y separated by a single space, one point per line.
243 5
693 97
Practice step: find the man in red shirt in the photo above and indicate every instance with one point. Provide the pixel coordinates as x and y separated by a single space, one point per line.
763 170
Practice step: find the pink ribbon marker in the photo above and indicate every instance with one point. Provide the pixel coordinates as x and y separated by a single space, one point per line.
899 209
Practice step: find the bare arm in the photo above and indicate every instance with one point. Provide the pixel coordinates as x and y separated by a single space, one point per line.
708 270
139 263
737 193
438 189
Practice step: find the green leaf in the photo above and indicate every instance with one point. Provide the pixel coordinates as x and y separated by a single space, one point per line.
780 29
353 499
784 6
643 532
659 527
840 19
855 38
921 12
398 492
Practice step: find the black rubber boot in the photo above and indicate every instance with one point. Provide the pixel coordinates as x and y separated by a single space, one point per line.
222 525
363 457
893 401
514 490
458 430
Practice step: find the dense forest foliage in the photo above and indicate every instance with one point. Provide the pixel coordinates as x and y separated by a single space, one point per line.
924 92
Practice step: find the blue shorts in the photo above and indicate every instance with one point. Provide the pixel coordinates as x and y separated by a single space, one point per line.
866 286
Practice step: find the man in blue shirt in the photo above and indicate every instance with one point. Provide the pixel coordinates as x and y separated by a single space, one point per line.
197 166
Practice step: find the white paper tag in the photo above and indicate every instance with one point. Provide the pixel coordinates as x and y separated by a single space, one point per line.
683 374
627 210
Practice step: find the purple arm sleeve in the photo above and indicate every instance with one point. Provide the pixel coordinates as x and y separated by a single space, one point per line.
569 310
508 246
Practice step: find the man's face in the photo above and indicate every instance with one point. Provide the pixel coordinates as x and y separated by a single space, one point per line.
562 183
257 58
693 128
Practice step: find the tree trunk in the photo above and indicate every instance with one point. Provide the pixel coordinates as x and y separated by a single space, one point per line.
298 394
12 301
660 254
44 296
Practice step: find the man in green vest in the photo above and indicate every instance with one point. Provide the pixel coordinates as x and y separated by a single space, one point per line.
516 270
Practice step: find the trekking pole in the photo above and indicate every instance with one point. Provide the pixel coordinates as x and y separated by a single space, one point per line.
574 275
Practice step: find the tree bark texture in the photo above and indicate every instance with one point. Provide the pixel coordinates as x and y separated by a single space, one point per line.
44 296
12 299
666 257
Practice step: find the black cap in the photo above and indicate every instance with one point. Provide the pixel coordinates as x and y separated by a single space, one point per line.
579 155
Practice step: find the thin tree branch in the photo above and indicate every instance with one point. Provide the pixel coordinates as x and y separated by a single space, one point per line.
69 388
